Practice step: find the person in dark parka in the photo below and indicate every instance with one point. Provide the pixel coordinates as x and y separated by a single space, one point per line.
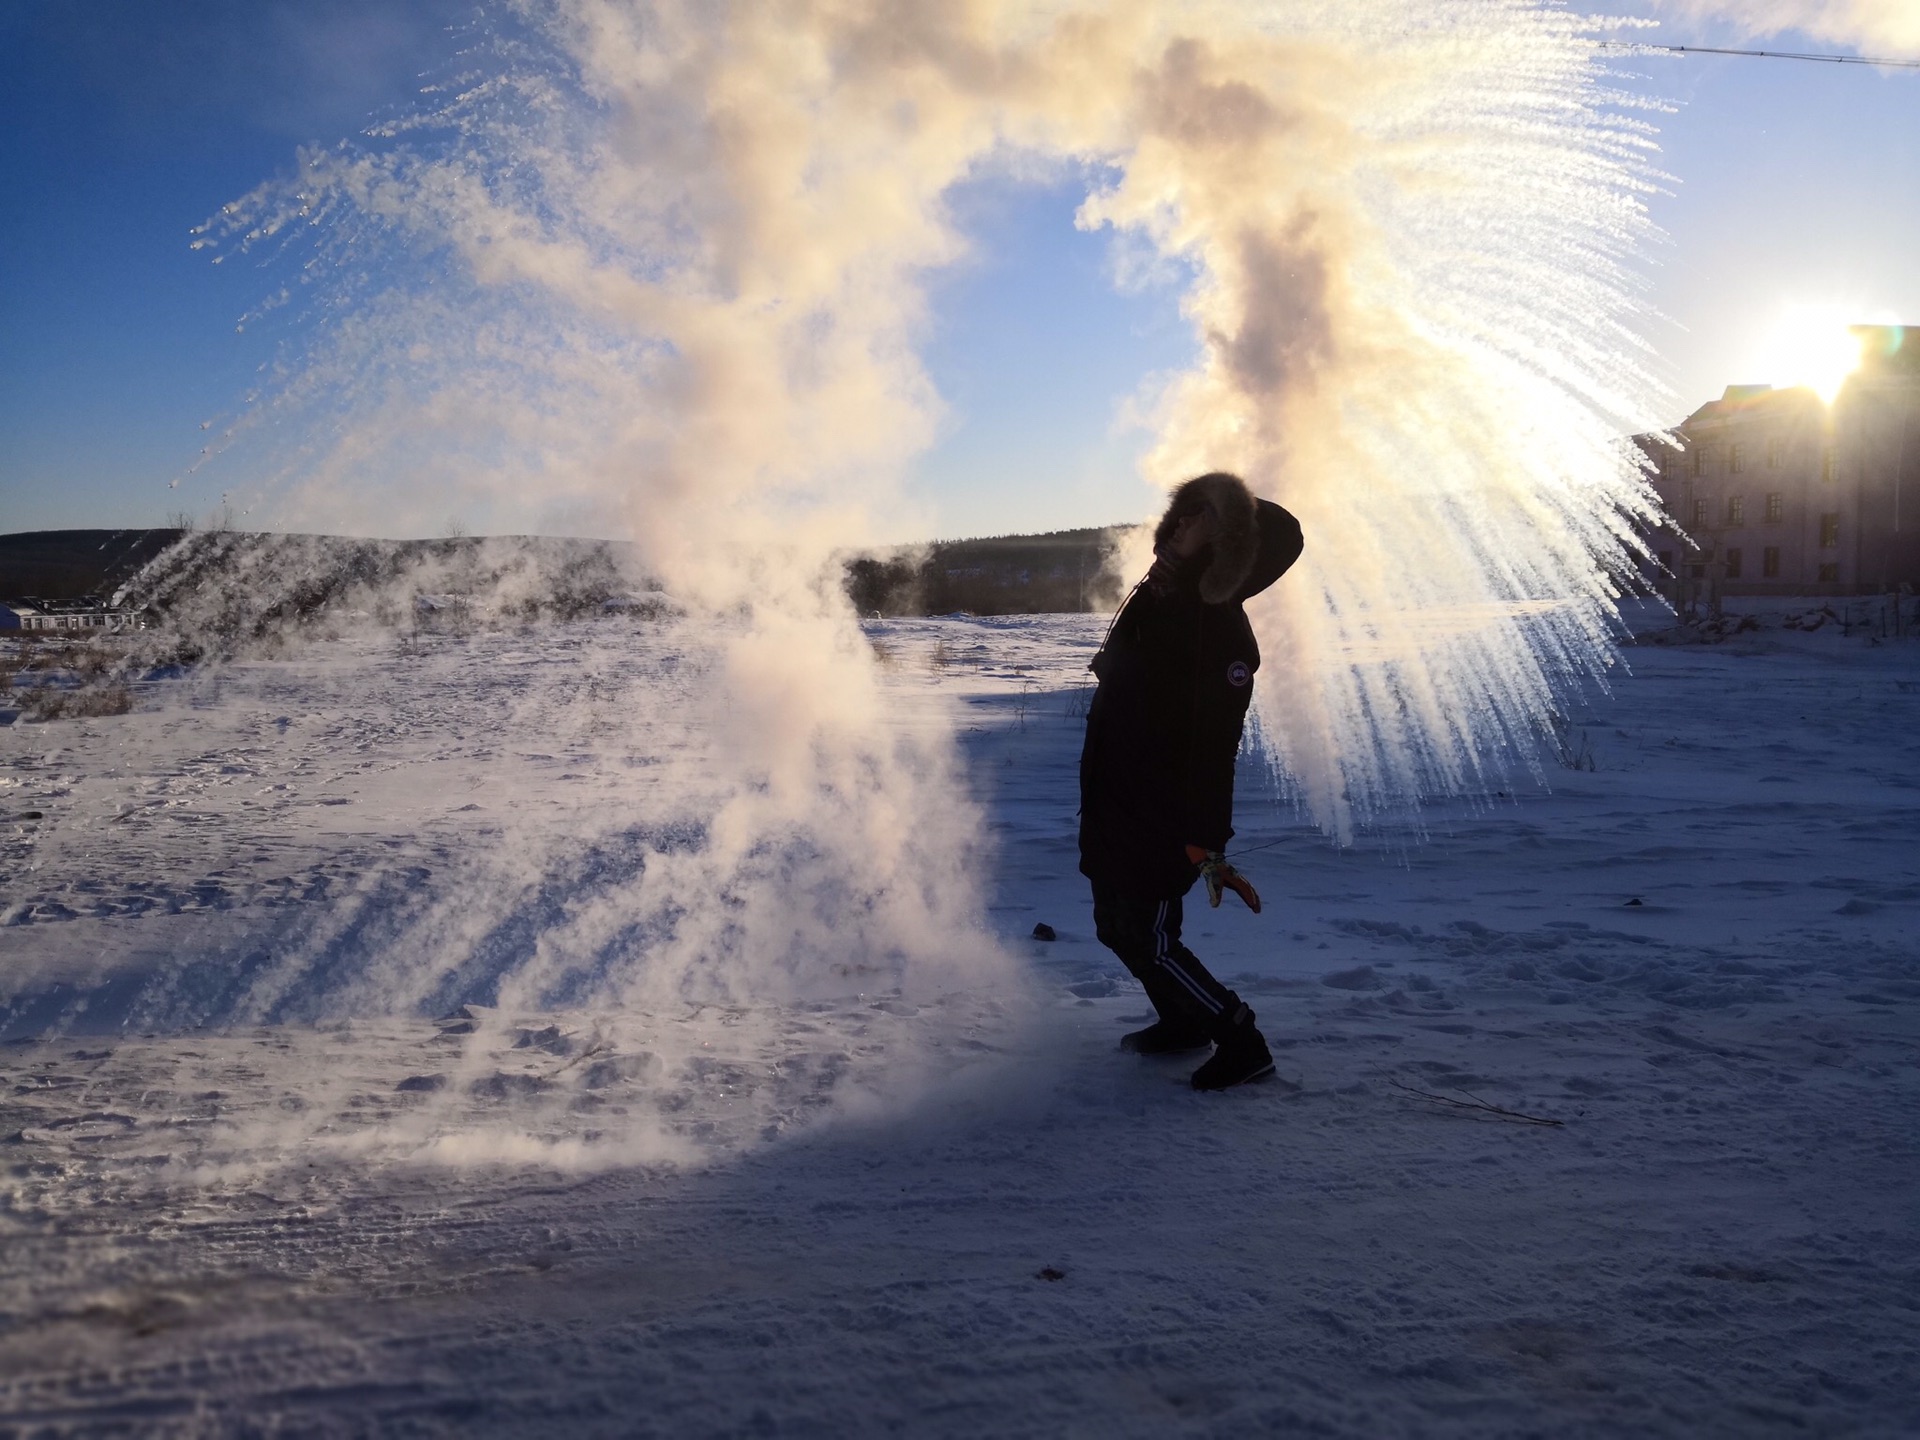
1156 773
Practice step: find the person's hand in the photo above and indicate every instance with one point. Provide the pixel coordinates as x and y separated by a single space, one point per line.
1220 875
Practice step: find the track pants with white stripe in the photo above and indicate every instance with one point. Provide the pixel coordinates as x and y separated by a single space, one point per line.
1145 934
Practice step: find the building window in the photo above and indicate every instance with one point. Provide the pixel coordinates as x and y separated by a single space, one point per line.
1736 510
1733 564
1666 561
1776 506
1829 466
1770 562
1699 514
1830 573
1773 453
1829 529
1699 459
1736 460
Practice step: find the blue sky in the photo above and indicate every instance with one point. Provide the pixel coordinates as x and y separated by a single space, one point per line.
123 124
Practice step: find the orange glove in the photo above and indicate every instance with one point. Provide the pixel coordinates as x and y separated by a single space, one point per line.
1220 875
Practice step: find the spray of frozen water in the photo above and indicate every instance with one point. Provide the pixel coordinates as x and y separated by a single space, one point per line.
1410 236
655 269
659 265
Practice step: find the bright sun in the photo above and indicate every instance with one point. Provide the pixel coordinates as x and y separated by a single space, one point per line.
1811 345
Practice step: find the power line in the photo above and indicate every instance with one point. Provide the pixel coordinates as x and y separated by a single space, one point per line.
1761 54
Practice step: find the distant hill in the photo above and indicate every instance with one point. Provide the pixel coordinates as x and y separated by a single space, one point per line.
67 564
272 577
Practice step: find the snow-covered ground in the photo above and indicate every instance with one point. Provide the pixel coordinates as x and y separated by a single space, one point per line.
238 1195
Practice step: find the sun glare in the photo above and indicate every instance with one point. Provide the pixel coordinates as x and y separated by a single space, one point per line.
1812 346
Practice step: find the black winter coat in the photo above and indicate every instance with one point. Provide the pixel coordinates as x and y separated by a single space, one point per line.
1176 677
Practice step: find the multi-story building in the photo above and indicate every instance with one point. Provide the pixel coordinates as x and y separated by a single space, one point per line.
1777 492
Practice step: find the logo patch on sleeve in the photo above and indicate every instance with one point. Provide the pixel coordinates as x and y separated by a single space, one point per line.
1238 674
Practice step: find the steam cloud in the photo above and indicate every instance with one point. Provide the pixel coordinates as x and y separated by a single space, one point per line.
657 266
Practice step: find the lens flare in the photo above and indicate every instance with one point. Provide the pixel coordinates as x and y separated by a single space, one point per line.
1812 346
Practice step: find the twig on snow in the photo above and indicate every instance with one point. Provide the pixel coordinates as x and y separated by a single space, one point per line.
1476 1105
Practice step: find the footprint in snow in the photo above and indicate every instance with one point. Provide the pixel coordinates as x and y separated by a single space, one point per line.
103 1125
507 1087
549 1039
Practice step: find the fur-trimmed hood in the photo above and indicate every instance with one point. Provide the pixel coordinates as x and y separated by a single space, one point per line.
1236 535
1255 541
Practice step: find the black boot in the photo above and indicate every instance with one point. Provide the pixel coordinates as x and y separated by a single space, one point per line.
1242 1056
1165 1037
1179 1024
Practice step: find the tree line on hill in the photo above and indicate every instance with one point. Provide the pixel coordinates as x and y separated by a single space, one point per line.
1062 572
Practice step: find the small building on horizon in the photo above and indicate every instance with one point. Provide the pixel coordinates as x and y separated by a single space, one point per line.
1777 492
88 615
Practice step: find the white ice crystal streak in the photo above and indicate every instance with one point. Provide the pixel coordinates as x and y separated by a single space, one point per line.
657 267
1412 248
